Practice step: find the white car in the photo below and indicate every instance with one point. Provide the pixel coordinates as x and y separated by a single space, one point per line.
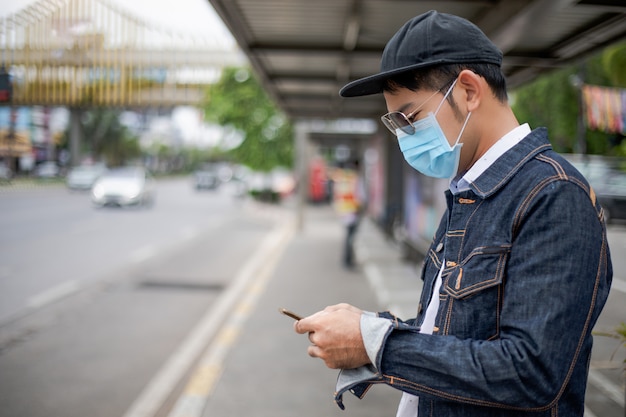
124 187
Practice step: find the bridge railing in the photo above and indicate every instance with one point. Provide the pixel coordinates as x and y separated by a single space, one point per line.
90 53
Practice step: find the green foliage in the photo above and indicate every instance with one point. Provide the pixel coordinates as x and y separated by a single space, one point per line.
105 137
621 332
196 157
618 333
238 101
552 100
121 150
614 62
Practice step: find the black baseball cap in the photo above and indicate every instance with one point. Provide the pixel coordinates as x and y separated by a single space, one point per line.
429 39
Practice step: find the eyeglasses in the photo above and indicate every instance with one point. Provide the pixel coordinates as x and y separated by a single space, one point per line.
395 120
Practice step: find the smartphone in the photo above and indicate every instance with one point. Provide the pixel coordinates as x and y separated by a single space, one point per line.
290 314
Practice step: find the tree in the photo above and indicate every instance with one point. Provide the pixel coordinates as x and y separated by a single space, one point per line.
614 62
105 137
238 102
552 100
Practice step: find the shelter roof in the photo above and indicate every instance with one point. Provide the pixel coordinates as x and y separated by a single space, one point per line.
304 51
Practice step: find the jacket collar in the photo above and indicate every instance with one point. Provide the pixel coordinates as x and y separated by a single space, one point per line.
505 167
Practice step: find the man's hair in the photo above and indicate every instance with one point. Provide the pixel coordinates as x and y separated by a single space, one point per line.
440 77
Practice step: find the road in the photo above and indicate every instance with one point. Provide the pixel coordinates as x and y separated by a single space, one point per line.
94 301
100 309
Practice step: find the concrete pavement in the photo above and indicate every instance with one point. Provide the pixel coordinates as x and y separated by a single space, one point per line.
267 372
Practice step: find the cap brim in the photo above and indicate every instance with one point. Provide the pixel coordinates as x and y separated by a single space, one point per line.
374 83
364 86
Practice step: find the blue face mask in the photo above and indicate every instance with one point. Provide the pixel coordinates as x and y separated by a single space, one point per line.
428 150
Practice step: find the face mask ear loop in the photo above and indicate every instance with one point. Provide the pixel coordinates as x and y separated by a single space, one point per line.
445 97
462 129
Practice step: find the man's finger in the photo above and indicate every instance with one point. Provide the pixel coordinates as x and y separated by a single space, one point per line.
314 351
307 324
303 326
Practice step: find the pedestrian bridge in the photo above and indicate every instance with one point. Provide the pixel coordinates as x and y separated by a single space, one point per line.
84 53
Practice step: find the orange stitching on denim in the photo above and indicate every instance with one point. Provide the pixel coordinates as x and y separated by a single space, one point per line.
434 259
448 322
514 169
527 200
557 167
592 195
401 382
466 201
469 219
455 233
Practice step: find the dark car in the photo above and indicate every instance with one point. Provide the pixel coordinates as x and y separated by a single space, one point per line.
47 170
206 177
5 173
83 177
612 196
607 180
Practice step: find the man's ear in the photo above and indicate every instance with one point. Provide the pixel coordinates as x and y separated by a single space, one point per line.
473 87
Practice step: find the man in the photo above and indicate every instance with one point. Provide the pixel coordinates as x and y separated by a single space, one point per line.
349 199
519 268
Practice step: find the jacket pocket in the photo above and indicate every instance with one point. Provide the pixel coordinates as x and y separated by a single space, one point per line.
472 292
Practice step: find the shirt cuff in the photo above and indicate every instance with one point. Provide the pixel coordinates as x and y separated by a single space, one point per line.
374 331
356 380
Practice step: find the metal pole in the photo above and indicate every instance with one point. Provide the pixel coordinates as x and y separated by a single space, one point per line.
75 135
302 163
577 80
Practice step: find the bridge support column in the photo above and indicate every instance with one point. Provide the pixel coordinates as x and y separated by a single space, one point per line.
76 135
302 132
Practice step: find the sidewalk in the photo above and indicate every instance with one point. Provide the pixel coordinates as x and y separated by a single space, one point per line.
268 372
395 282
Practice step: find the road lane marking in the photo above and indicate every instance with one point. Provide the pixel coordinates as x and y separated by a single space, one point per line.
588 413
219 318
607 387
193 401
53 294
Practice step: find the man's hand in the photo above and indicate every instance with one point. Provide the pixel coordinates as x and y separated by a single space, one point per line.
335 335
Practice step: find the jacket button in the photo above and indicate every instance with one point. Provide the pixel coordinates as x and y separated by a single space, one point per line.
435 329
439 247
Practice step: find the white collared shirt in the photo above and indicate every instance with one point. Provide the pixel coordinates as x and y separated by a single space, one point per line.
498 149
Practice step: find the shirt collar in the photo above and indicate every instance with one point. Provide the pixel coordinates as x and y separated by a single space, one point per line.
498 149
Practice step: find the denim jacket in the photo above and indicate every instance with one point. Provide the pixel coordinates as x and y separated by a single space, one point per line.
527 274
